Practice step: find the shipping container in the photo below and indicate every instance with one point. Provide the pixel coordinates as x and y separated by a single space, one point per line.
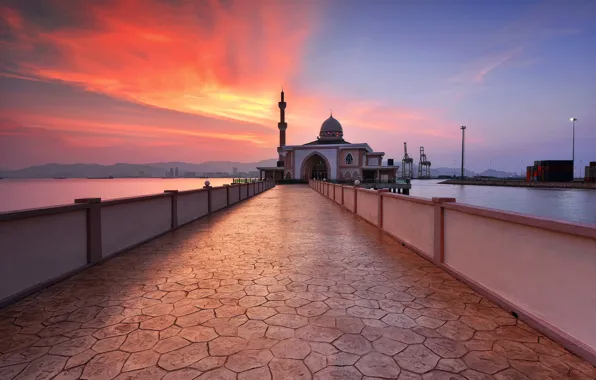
551 171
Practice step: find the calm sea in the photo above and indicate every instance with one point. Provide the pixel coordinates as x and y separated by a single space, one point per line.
19 194
562 204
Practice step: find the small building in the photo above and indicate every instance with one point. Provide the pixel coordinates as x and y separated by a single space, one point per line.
590 172
329 157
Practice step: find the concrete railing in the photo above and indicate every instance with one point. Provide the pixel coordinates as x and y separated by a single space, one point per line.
42 246
543 271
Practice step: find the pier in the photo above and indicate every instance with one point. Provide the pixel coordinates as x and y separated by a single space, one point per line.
317 281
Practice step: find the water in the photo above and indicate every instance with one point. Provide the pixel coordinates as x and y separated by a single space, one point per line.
18 194
572 205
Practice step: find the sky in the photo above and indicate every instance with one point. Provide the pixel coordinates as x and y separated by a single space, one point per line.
140 81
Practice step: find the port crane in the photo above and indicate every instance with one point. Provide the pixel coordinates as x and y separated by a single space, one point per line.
407 164
423 165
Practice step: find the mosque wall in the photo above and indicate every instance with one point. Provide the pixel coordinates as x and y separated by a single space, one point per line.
330 154
355 155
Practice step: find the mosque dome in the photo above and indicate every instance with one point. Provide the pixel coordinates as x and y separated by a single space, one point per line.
331 129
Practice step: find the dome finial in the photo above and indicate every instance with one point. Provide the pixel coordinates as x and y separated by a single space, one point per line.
330 112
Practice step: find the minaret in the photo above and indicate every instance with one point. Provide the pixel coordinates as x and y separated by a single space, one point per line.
282 125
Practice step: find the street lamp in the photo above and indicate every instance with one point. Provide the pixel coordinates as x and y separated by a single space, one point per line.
573 120
463 132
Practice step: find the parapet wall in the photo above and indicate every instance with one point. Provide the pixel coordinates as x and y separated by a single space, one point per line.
41 246
542 270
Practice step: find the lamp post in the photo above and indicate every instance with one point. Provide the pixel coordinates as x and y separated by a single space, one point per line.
573 120
463 132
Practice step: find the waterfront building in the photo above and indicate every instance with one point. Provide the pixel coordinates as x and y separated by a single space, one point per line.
329 157
590 172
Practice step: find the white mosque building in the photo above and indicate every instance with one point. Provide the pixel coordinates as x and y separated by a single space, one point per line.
329 157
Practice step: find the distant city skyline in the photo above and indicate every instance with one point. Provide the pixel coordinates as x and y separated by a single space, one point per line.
150 81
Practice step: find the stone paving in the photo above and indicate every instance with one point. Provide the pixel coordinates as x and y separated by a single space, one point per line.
284 286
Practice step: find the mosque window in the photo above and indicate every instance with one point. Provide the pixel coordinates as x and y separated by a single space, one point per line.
349 159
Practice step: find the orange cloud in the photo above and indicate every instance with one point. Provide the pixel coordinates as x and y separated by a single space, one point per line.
214 58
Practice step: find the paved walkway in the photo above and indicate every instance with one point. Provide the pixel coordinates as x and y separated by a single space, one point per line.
283 286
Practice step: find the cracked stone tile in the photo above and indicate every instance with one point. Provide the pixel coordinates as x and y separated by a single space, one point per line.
108 344
378 365
182 374
252 329
151 373
158 323
388 347
342 358
223 345
514 350
74 346
198 333
140 360
209 363
315 362
399 320
170 344
353 343
291 349
488 362
451 365
69 374
318 334
218 374
312 309
446 348
338 373
195 318
105 366
401 335
115 330
227 311
183 357
248 359
44 367
417 358
349 325
282 369
287 320
256 374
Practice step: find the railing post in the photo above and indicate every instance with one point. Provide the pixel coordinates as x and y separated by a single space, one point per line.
208 188
94 248
439 233
174 195
227 194
380 208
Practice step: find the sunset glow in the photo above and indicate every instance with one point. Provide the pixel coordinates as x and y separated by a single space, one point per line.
156 80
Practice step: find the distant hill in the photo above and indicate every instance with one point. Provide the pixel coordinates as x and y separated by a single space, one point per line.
159 169
497 173
130 170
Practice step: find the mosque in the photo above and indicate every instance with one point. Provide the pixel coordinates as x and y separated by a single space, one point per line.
329 157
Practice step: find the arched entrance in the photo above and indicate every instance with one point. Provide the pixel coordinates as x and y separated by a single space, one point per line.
315 167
